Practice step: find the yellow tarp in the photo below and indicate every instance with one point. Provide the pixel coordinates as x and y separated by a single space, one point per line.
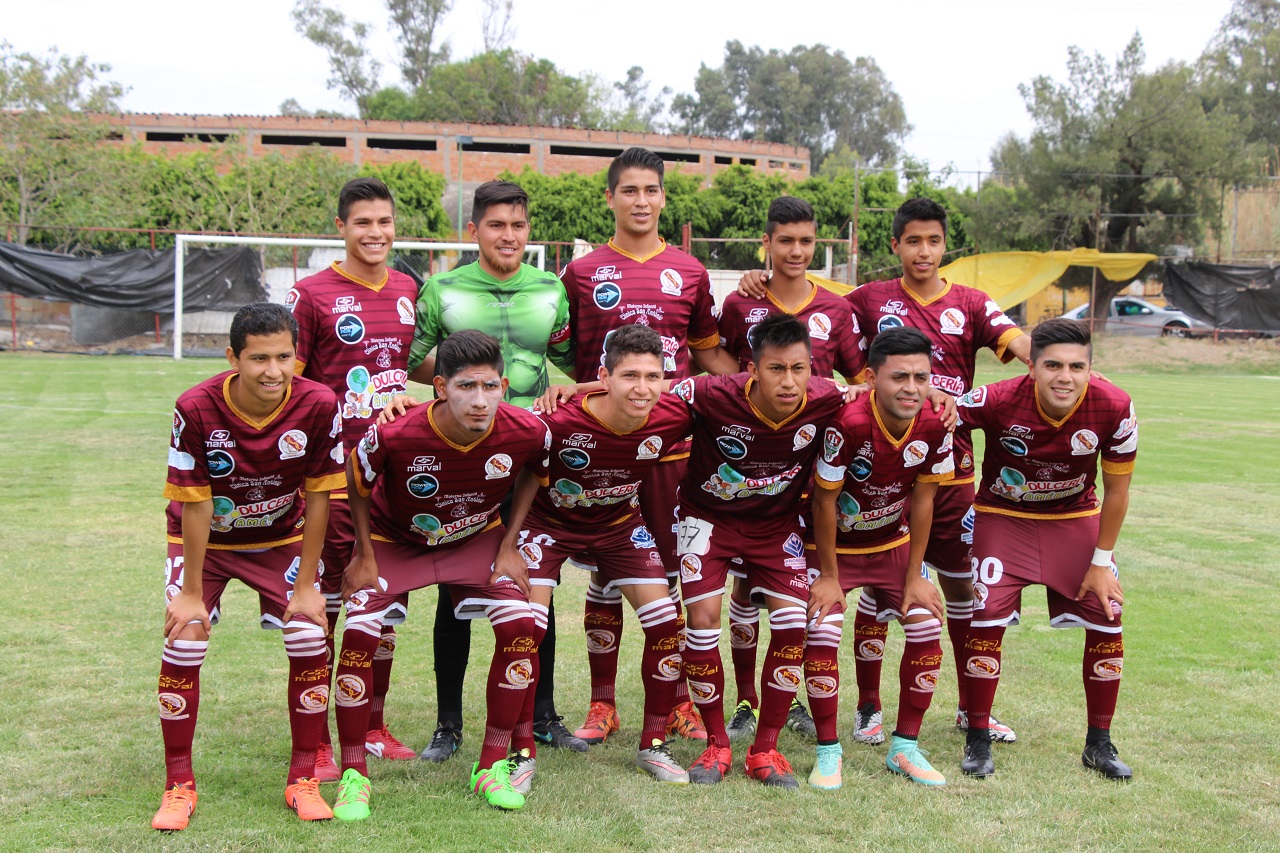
1011 278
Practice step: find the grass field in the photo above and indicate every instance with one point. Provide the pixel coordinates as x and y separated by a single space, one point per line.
82 449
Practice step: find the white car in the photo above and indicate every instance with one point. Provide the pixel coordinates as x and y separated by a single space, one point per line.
1132 316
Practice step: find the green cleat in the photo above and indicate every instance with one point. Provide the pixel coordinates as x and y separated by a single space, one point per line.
353 796
906 758
494 784
826 770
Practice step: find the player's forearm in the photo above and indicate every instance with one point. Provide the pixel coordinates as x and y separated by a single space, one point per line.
522 499
824 532
314 528
714 360
425 371
359 505
920 523
196 518
1115 506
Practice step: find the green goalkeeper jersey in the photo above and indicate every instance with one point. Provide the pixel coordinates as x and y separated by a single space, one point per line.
528 314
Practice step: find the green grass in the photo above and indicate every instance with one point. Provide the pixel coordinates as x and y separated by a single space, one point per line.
82 449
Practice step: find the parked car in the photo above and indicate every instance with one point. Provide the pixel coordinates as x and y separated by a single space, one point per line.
1132 316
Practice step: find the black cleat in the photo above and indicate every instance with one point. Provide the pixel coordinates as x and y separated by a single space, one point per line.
798 720
1101 756
552 732
977 755
444 743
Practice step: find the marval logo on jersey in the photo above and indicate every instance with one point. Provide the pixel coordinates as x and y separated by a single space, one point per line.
819 326
220 438
344 304
607 273
755 315
951 322
672 282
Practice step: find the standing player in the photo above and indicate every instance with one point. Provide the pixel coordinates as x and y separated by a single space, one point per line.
790 237
424 497
880 467
245 444
602 446
355 325
637 278
1039 521
526 310
959 321
756 436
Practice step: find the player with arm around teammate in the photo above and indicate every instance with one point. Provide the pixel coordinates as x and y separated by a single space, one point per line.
881 464
246 445
1039 521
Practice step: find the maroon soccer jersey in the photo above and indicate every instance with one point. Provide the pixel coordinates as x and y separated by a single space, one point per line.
743 466
354 336
669 291
594 472
1036 467
958 322
833 332
875 472
252 470
429 491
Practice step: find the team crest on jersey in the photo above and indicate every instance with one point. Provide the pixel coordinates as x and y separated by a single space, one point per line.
951 322
793 546
975 399
350 329
642 539
966 461
422 485
819 326
672 282
832 441
606 295
532 553
291 298
497 466
684 389
292 444
1084 442
690 568
404 310
804 436
179 424
888 321
1016 446
650 448
575 459
755 315
220 463
731 448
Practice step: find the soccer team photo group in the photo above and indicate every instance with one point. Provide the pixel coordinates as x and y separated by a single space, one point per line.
732 479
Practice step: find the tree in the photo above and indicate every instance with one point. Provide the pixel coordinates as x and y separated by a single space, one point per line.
496 28
808 96
507 87
352 71
636 110
416 21
1242 72
1119 159
51 153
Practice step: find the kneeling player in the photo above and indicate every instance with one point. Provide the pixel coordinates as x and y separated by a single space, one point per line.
880 467
245 443
603 444
1038 521
424 495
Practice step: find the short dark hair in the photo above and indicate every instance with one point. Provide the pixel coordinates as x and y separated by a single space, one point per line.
787 209
261 319
919 208
362 189
1060 330
777 330
632 339
497 192
635 158
900 340
467 348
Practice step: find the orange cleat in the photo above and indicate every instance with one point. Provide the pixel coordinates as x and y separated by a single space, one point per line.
176 807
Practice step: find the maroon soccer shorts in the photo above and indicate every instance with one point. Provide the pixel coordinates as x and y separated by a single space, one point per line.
464 568
881 574
269 572
772 556
948 552
659 499
617 555
1010 553
339 542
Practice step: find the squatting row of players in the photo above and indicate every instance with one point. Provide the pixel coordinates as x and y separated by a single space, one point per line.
660 482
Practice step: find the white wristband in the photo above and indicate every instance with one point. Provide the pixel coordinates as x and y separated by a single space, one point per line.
1101 557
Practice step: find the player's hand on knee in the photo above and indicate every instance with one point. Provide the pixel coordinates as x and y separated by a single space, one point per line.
361 573
308 603
182 610
510 565
399 404
1102 582
945 407
752 284
918 591
824 595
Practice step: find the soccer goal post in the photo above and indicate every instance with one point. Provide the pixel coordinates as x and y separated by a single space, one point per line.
536 254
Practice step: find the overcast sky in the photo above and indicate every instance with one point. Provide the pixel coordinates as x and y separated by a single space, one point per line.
956 65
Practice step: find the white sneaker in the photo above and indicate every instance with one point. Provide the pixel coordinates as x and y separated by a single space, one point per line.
658 762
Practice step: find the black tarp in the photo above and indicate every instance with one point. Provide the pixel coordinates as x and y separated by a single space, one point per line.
215 279
1226 296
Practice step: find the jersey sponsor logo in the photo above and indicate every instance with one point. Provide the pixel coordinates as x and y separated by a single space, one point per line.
966 527
575 459
832 441
357 601
860 469
966 461
423 463
179 424
951 322
497 466
755 315
650 448
350 329
580 439
606 273
436 533
982 666
731 448
821 686
291 298
292 444
641 538
672 282
405 311
1013 486
953 385
980 592
804 436
599 641
350 690
383 358
568 494
1108 669
1130 444
1084 442
291 573
1016 446
793 546
894 306
819 326
314 700
670 348
344 304
888 321
788 678
728 483
220 463
684 389
422 485
851 516
173 706
690 568
1127 425
220 438
606 295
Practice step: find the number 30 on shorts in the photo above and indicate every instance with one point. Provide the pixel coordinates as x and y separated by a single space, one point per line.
988 571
